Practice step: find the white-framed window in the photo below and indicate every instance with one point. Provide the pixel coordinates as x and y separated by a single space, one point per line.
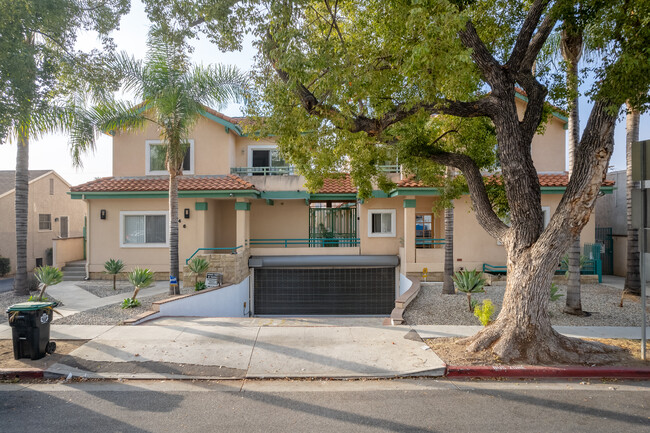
155 158
143 229
265 155
381 223
44 222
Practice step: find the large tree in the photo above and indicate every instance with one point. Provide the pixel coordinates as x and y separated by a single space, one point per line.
632 275
39 68
171 94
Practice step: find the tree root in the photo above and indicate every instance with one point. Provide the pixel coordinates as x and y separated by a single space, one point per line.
539 345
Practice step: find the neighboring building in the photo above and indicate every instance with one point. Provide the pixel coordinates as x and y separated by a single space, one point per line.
310 253
55 222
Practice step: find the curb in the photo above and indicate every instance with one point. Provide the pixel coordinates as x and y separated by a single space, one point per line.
13 373
521 371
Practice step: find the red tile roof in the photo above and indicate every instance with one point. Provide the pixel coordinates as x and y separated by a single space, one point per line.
161 183
341 185
545 179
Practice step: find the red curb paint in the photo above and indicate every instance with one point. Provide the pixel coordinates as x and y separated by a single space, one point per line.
531 371
10 373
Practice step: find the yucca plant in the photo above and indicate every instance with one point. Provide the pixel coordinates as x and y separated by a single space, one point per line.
47 276
468 282
141 279
113 267
197 266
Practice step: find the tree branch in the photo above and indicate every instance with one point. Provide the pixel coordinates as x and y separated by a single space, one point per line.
523 41
538 40
487 64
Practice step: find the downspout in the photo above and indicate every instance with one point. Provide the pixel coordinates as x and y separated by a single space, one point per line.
87 240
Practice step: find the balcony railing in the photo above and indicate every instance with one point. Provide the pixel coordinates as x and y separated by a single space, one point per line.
319 242
263 171
395 168
429 243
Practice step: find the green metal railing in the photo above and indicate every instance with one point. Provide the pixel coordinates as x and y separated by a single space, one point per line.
395 168
327 223
320 242
232 250
263 171
433 242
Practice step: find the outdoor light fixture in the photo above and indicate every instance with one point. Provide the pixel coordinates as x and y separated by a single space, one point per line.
102 214
187 213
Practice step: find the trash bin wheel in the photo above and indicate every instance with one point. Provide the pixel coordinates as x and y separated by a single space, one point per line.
51 347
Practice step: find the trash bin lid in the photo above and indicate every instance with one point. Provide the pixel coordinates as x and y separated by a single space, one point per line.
31 306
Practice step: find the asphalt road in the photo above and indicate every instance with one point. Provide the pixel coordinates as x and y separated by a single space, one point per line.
327 406
6 284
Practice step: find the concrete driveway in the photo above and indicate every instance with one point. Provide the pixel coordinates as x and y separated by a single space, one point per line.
6 285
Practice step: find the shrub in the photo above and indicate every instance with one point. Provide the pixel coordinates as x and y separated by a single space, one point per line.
113 267
469 282
554 292
197 266
130 303
141 279
484 312
47 276
200 285
5 266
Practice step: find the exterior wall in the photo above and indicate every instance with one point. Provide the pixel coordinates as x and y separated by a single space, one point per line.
381 245
620 255
611 209
67 250
225 229
233 267
213 149
285 219
40 202
241 149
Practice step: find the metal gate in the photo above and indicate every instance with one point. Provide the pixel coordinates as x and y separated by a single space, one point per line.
604 237
337 224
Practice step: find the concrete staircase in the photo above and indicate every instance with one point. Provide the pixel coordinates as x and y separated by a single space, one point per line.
74 271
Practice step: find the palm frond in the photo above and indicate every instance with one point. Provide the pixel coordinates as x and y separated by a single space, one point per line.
130 69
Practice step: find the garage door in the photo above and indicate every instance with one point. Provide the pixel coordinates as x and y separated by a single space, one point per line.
332 291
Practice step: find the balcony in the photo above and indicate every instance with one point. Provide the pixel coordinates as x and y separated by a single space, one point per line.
263 171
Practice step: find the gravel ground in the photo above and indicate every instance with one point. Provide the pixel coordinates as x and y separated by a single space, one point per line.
431 307
110 314
7 299
104 288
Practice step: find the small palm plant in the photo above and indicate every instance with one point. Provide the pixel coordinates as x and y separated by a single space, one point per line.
197 266
469 282
113 267
141 279
47 276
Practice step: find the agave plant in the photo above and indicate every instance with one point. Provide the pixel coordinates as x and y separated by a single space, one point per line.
469 282
113 267
47 276
141 279
197 266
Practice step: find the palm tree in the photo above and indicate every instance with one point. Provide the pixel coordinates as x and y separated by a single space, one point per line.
197 266
173 94
47 276
571 46
113 267
448 282
632 276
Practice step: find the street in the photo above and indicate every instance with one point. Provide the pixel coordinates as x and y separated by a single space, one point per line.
414 405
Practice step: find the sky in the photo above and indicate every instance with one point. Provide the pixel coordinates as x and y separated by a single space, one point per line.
52 151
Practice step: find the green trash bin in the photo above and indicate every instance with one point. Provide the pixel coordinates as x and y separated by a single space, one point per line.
30 329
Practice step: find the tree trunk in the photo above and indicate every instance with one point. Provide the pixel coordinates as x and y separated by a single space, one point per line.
173 233
114 278
523 331
633 276
447 281
571 45
21 287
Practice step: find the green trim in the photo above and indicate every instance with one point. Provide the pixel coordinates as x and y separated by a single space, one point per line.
244 193
377 193
285 195
269 202
333 197
240 205
555 113
422 191
409 203
201 205
223 122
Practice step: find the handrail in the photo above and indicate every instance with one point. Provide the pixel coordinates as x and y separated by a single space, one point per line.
352 242
266 171
430 241
211 249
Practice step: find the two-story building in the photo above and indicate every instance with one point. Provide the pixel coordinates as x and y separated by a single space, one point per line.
301 252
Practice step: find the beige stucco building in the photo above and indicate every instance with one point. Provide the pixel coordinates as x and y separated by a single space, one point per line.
325 252
55 221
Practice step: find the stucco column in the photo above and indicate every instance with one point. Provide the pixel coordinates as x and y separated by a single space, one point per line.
409 232
242 208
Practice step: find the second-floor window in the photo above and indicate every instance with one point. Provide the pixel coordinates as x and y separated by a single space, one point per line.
265 157
155 158
44 221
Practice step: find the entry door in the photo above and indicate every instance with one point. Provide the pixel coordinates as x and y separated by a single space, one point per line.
64 226
261 158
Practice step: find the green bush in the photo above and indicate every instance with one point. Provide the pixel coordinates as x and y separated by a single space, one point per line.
554 294
5 266
469 282
200 285
47 276
197 266
141 279
130 303
484 312
113 267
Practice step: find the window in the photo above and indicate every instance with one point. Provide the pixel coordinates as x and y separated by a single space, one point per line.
155 158
143 229
424 231
51 186
265 156
44 221
381 223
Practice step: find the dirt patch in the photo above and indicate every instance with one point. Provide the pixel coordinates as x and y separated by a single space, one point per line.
63 347
453 353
